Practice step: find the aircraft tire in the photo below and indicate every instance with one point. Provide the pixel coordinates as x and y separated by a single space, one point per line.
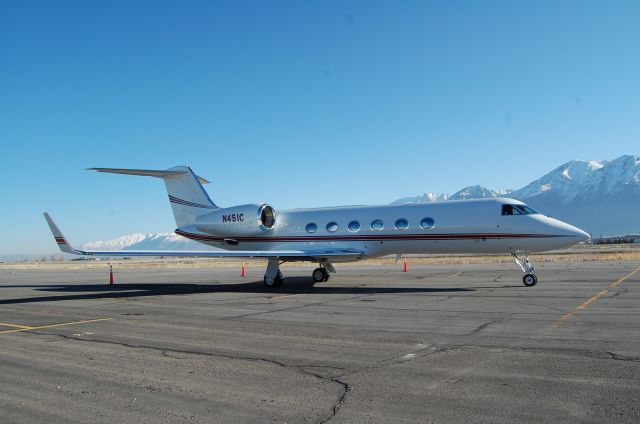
319 275
326 275
529 280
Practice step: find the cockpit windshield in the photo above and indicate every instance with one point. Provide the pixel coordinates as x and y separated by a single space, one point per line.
518 210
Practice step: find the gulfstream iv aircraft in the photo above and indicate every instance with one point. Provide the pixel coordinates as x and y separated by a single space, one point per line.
351 233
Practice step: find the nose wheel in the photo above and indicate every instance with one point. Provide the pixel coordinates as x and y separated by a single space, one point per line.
529 278
320 275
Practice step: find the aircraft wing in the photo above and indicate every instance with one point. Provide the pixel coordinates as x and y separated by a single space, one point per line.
316 254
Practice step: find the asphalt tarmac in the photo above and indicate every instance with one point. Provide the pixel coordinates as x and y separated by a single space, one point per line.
441 344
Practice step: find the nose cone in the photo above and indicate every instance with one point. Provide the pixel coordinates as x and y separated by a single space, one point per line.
575 234
578 234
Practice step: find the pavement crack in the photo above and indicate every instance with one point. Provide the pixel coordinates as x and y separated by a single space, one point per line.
483 326
618 357
303 369
346 388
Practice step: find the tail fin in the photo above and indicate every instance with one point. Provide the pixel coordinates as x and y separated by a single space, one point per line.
188 198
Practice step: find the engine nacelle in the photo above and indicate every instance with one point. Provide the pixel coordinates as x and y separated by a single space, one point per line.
243 220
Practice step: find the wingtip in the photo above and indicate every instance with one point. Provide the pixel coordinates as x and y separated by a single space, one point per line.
62 242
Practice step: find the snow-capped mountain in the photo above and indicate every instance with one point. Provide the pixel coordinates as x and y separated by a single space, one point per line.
138 241
425 198
478 192
471 192
586 178
602 197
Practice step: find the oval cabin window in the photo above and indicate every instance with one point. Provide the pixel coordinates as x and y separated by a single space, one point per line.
377 225
402 224
332 227
427 223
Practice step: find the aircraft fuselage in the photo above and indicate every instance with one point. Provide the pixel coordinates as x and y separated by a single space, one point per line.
467 226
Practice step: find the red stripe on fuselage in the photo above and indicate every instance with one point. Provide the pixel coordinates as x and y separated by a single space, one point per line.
463 236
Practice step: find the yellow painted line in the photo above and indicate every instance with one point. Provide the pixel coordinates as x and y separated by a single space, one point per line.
62 324
592 299
622 280
4 324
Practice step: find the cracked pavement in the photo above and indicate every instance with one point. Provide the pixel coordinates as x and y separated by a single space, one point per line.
438 344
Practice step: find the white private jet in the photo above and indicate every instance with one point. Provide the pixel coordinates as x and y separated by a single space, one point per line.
349 233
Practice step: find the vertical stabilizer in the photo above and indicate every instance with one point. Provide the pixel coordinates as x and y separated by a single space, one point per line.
188 198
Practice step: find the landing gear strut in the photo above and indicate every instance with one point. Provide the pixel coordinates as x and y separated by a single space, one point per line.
529 278
273 277
274 281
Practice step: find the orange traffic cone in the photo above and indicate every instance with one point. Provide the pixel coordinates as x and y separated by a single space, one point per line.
404 265
243 273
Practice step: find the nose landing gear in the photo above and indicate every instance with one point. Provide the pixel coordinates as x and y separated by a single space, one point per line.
529 278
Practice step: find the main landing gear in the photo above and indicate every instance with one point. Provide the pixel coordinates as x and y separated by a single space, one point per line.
320 275
529 278
273 277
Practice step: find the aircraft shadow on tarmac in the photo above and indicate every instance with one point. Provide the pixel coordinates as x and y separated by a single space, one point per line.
292 285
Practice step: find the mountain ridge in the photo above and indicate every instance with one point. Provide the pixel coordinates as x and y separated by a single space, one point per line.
585 193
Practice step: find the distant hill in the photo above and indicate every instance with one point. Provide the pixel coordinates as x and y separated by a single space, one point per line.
599 196
139 241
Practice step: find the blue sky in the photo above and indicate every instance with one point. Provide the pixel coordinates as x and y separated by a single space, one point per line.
299 103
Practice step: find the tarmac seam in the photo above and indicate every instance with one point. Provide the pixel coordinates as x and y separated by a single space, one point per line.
293 307
427 350
594 354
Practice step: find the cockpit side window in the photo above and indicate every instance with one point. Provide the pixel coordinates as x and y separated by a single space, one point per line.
528 210
518 210
509 210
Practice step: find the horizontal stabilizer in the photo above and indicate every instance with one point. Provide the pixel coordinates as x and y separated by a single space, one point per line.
146 172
